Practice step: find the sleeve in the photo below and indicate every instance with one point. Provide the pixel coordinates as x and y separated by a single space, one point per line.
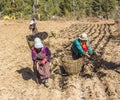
48 53
90 51
78 46
34 56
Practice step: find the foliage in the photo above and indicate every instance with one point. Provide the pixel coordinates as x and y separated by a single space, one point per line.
45 9
103 7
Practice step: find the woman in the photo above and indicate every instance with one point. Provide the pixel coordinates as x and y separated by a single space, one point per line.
81 47
41 61
33 26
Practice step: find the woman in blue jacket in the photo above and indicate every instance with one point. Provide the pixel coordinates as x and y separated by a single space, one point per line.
81 47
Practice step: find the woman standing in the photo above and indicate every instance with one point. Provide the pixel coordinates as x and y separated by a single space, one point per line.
41 61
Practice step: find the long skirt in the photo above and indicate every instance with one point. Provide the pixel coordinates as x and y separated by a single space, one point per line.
42 71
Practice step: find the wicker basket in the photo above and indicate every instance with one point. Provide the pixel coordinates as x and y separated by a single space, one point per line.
72 66
30 42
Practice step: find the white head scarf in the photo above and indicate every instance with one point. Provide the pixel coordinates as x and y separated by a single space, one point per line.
83 36
38 43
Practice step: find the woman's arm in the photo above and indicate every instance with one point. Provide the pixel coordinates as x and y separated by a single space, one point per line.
47 52
34 57
90 51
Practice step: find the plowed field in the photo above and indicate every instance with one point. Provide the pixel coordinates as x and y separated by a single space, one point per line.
101 78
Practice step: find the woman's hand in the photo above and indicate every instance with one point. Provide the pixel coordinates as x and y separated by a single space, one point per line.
43 61
87 55
90 57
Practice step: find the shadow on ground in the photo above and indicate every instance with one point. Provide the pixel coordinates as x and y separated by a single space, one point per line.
27 73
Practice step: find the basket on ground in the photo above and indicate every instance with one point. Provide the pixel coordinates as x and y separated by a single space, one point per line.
72 66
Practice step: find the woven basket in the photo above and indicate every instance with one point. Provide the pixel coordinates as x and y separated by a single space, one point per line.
47 41
31 42
72 66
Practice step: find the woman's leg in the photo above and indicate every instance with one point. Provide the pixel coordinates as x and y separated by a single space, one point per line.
36 74
46 73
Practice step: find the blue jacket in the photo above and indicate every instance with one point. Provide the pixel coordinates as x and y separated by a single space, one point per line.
77 48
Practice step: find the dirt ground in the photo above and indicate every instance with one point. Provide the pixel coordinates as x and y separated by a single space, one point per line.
101 78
